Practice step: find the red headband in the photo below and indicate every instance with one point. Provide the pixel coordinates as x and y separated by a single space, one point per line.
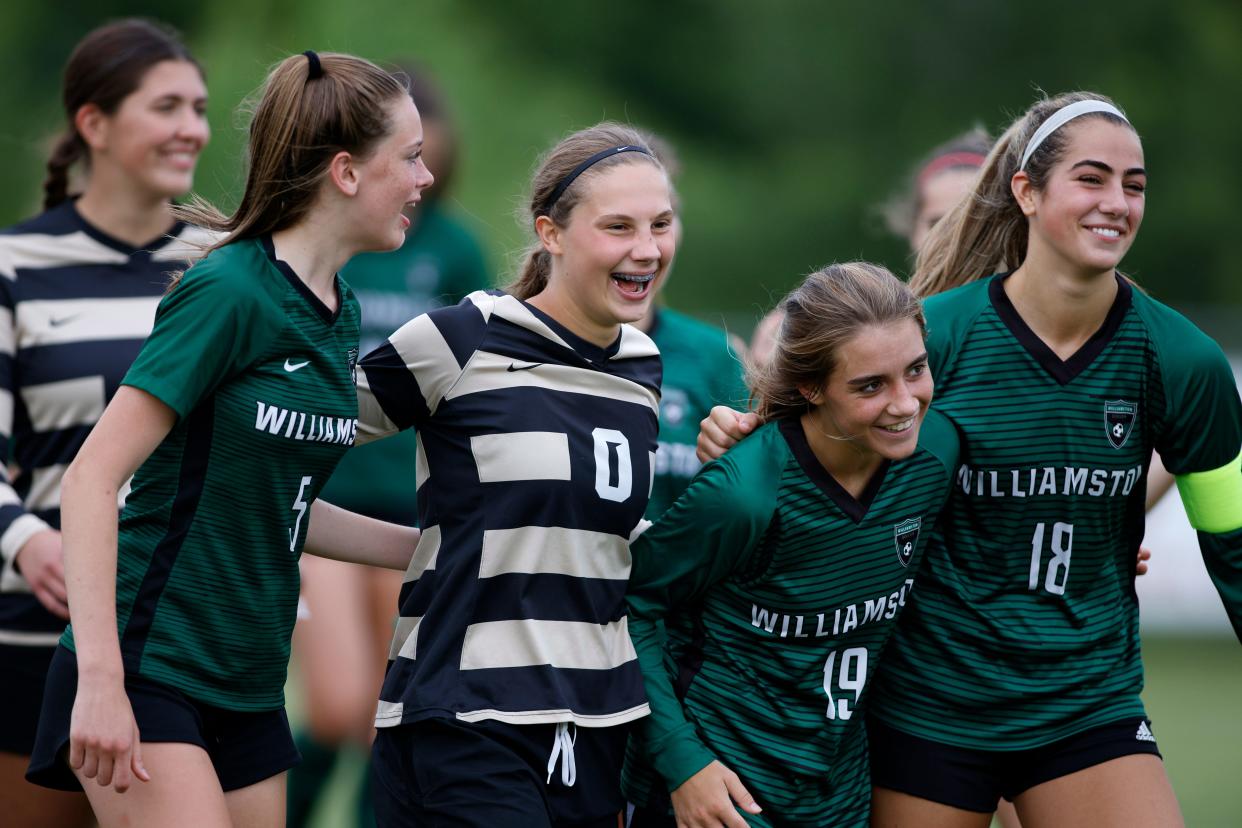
948 160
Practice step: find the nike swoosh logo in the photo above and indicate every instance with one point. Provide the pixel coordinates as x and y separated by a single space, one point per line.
294 366
515 367
64 320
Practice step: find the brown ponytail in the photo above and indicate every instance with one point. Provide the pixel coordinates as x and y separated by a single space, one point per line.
69 149
987 232
301 121
105 67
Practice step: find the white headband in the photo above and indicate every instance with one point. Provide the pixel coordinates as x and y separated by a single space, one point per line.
1060 118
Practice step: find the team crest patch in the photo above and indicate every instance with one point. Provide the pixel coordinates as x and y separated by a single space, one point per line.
673 406
1119 418
906 537
352 356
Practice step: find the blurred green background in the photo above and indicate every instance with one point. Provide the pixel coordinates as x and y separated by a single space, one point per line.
794 120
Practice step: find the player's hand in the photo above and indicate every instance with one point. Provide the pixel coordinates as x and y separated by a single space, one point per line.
706 799
42 563
103 736
1144 555
721 429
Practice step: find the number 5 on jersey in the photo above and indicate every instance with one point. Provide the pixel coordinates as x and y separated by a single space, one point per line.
299 505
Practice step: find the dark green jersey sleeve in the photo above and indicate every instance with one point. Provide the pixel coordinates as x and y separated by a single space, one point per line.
1202 415
1200 443
214 323
711 532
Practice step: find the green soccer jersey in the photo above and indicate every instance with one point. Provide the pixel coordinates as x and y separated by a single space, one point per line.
701 370
777 591
1025 627
260 374
439 263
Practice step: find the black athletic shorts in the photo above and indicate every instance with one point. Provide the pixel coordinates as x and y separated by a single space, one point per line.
23 671
445 772
244 747
975 780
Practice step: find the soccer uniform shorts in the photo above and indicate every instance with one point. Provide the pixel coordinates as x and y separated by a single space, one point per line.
21 695
491 774
244 747
975 780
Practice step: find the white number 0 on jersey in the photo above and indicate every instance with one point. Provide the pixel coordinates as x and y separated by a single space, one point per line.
605 439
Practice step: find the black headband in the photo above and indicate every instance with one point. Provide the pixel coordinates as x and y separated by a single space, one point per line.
560 188
316 69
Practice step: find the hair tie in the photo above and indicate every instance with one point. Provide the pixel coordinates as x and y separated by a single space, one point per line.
1063 116
316 68
563 185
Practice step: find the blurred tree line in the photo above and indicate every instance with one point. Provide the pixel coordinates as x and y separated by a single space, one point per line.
794 119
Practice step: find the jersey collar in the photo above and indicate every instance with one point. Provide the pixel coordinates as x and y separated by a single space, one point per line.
854 509
1063 371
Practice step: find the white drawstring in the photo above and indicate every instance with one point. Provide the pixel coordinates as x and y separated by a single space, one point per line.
563 747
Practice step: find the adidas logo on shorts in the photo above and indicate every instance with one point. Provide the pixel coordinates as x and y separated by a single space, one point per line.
1144 733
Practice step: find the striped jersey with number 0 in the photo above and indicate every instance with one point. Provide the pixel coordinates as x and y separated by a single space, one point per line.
75 307
534 467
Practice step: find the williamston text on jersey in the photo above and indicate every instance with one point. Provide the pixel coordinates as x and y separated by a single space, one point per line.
299 425
832 622
1037 481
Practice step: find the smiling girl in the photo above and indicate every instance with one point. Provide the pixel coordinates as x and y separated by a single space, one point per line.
511 669
241 401
761 600
1017 672
1063 377
78 290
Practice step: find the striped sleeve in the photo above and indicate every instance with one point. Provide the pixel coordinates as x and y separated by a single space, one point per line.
710 533
16 524
403 381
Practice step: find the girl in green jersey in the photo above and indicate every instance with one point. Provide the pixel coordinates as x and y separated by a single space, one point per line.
232 417
760 602
1018 672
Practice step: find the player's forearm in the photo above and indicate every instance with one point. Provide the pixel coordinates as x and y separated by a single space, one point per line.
671 741
342 535
89 533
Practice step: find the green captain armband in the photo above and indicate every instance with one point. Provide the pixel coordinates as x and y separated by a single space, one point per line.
1213 499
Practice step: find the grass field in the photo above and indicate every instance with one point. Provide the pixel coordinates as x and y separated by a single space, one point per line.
1193 696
